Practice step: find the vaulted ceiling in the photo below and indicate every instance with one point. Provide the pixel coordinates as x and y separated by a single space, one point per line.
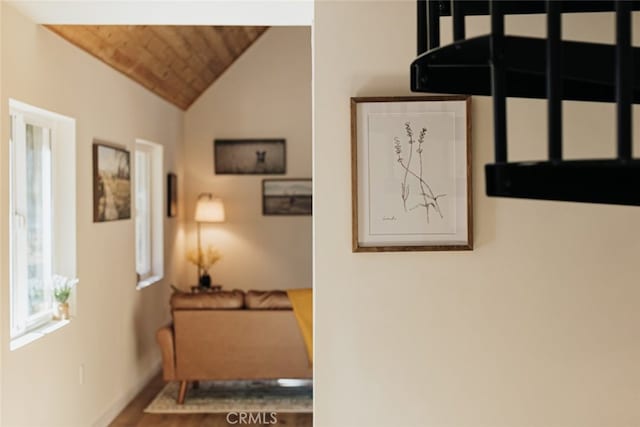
177 63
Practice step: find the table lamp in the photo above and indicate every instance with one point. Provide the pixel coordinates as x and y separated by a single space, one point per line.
208 209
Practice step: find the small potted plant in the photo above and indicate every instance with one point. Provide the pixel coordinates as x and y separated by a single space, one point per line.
204 259
62 287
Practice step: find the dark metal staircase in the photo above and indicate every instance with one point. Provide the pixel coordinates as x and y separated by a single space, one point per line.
508 66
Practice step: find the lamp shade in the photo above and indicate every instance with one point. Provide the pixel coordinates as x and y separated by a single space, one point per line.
209 209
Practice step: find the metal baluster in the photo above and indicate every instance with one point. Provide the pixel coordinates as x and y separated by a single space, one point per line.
457 13
498 81
433 27
624 78
554 79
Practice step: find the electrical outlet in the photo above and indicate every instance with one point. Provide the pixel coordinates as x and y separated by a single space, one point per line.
81 374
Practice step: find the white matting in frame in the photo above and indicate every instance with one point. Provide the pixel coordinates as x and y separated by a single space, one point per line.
411 173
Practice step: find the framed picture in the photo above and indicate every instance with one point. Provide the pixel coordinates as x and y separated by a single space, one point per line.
249 156
287 196
411 173
172 195
111 182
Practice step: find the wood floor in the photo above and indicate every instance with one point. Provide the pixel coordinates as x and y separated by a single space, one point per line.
133 415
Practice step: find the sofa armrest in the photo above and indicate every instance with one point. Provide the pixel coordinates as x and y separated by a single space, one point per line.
164 336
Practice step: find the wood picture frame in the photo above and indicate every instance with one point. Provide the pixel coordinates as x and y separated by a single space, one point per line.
287 196
411 173
250 156
172 195
111 182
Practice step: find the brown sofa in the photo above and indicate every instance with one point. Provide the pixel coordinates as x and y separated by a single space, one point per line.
230 335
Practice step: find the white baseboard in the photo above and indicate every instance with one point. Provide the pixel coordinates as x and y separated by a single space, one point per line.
120 403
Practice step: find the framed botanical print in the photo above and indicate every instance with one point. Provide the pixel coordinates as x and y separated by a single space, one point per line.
411 173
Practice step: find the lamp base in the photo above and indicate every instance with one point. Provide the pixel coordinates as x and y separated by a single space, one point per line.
205 281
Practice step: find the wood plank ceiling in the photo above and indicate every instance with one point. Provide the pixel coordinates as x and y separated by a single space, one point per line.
177 63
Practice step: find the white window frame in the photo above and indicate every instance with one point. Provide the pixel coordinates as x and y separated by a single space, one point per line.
143 211
59 207
21 321
154 211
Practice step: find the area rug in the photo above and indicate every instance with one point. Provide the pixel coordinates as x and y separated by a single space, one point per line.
216 397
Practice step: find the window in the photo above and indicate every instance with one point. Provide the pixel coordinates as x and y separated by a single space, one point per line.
40 213
143 213
32 222
149 212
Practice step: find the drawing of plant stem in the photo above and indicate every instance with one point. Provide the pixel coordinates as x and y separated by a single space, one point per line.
429 198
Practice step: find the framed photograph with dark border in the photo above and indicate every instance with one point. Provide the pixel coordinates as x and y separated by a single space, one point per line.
250 156
287 196
411 173
111 182
172 195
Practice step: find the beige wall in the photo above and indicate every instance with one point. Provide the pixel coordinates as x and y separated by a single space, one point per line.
112 335
266 93
3 220
538 326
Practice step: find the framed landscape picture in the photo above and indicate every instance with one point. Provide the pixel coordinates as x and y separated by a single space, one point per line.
111 182
287 196
411 173
249 156
172 195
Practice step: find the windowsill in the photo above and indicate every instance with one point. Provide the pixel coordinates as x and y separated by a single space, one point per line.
37 333
148 282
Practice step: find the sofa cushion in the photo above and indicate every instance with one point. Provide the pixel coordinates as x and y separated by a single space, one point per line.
267 300
228 300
